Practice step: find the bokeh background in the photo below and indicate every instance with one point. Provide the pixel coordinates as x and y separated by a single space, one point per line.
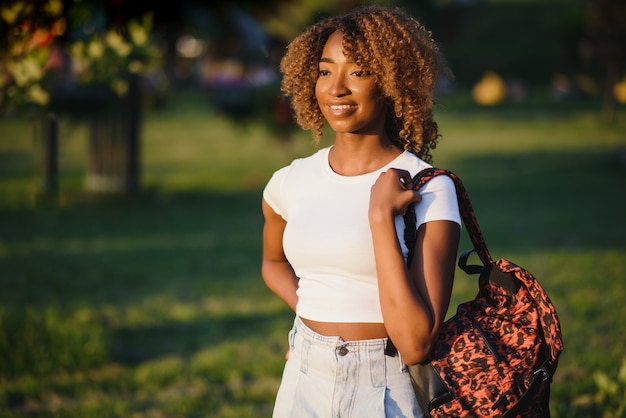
135 141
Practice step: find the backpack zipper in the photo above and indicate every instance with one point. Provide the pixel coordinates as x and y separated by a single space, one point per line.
484 337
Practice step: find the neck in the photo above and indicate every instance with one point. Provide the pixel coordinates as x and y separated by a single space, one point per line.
352 156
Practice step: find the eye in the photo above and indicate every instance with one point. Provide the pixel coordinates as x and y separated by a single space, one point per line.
323 73
361 73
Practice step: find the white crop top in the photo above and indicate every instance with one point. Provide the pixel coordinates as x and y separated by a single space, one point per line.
327 239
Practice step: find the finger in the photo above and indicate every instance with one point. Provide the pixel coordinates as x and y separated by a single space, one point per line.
404 175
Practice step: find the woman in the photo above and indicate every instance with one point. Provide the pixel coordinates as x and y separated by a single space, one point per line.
332 239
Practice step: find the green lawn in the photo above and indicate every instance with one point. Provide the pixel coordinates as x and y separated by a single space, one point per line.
153 306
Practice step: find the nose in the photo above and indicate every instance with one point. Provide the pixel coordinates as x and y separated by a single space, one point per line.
338 86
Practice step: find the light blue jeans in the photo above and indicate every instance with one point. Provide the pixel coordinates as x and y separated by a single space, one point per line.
327 377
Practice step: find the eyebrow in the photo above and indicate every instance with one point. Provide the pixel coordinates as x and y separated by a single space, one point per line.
332 61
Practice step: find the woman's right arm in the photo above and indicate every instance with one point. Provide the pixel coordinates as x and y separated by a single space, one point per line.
275 269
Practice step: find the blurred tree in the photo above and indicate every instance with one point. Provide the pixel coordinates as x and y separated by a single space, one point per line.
290 17
481 36
606 29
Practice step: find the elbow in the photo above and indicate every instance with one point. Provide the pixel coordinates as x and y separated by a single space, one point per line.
416 349
268 273
416 354
265 273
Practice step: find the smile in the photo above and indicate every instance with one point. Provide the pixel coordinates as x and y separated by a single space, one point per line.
341 109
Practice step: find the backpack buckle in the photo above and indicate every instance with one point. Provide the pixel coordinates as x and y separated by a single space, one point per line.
542 370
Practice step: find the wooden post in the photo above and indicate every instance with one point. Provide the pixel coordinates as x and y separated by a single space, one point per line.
50 160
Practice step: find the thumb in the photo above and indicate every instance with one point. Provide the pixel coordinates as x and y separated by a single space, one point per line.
416 197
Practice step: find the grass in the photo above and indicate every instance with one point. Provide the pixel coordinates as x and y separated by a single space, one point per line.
153 306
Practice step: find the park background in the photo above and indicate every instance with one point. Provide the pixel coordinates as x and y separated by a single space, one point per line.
135 142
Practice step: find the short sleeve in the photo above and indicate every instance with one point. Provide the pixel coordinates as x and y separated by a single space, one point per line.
439 202
273 192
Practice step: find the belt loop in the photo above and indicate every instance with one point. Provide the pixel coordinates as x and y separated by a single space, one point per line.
403 367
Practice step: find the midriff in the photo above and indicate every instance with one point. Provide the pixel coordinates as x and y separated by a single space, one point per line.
348 331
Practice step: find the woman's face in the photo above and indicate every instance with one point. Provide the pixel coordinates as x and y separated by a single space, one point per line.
348 96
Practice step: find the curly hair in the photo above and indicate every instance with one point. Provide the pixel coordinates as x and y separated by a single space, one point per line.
396 49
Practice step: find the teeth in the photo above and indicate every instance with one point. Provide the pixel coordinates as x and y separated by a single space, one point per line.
339 107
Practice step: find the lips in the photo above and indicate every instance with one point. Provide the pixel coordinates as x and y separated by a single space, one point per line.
341 109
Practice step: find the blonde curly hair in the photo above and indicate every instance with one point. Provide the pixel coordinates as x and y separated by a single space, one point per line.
391 45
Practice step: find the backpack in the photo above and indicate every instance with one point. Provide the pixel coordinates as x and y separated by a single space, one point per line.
496 356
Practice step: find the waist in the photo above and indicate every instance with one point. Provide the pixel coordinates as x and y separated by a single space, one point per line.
337 299
348 331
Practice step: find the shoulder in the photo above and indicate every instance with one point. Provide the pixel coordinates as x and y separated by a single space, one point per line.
303 165
413 164
410 162
288 179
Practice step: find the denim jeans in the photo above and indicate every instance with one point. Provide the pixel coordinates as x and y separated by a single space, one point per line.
327 377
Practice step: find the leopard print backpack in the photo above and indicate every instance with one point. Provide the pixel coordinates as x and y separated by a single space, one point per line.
496 356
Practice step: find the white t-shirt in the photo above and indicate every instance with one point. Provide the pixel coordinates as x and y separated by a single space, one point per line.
327 239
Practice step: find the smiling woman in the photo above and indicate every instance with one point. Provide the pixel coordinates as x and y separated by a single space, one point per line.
333 245
393 48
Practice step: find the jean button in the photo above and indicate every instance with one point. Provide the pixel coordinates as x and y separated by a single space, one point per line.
343 350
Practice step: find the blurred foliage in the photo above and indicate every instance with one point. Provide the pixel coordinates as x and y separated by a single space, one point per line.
37 56
27 60
291 17
574 48
110 56
612 392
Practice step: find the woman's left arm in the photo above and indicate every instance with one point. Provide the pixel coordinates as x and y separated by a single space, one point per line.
414 302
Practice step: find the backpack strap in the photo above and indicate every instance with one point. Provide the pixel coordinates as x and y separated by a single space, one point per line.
466 210
469 219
